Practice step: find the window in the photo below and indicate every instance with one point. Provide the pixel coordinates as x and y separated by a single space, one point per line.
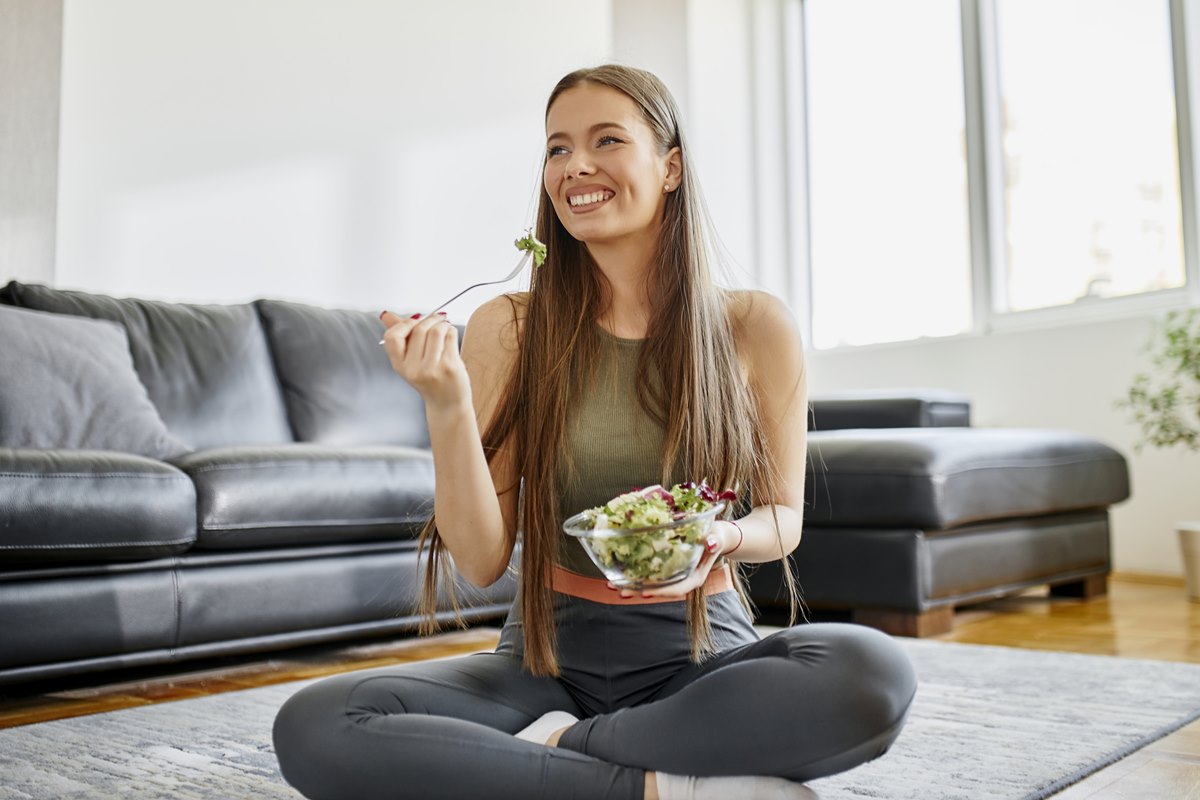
888 179
973 164
1091 179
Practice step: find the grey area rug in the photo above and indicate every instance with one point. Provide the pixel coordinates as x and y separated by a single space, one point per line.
992 722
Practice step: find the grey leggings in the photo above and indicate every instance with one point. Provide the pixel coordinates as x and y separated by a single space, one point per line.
802 703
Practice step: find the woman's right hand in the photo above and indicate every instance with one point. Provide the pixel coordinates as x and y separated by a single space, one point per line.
424 351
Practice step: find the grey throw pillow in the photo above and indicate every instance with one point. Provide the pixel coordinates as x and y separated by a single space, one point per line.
206 368
68 383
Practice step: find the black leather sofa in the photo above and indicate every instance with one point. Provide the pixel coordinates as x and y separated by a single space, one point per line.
911 512
180 481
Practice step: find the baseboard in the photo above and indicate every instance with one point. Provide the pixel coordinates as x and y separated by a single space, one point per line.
1155 578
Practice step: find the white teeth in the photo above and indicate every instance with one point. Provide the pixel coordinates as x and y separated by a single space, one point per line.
588 199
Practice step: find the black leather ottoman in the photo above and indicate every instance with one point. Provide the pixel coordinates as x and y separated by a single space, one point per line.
903 524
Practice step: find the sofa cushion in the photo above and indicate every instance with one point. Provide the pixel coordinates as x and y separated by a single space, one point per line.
889 408
82 506
936 478
206 367
307 493
337 382
68 383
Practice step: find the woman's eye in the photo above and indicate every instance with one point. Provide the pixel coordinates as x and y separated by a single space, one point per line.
556 150
609 140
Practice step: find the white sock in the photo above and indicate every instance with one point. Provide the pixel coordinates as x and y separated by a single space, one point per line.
723 787
541 728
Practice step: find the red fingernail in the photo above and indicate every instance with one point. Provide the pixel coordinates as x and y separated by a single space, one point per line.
645 596
442 313
416 316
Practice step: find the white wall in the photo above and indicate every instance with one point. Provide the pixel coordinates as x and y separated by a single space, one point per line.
1062 377
703 50
360 153
30 41
721 122
653 35
328 153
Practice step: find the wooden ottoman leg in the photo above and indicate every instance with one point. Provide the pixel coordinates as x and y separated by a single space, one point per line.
906 623
1091 586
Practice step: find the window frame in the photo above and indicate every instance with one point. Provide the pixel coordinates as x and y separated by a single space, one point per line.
985 177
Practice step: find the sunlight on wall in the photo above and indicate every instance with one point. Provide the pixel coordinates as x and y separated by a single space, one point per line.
269 230
449 185
334 154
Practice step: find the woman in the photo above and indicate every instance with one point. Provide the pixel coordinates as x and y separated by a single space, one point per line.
624 365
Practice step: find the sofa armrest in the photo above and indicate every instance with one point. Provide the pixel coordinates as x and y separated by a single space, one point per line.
889 408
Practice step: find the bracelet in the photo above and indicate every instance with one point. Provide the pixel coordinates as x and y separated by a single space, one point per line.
741 536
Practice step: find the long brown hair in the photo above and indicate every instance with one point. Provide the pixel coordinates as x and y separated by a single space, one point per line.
689 381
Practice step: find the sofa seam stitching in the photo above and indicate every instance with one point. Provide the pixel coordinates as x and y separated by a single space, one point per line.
178 605
385 460
97 544
90 475
976 468
309 462
237 526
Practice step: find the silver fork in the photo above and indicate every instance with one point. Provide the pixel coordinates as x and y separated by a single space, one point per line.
516 271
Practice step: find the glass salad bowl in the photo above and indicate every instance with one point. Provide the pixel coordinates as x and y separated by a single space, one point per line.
638 555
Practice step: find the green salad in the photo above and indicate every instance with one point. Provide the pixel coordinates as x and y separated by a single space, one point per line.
530 243
662 553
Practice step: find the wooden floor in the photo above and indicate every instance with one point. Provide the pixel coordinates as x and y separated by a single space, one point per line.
1141 617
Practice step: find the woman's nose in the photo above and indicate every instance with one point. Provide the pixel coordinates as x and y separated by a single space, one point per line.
577 165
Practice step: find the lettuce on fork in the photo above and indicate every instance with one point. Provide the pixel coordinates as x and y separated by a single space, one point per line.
530 243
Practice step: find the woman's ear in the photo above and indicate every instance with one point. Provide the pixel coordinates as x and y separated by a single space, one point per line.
674 168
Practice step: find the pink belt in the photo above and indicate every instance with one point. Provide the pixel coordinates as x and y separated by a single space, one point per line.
596 589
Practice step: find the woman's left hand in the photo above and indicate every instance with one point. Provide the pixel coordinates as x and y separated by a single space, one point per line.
722 538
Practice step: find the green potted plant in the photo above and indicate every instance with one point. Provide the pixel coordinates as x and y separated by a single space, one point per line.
1165 403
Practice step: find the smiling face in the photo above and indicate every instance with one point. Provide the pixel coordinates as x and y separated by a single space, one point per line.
604 170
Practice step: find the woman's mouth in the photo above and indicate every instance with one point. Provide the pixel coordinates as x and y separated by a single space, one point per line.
582 203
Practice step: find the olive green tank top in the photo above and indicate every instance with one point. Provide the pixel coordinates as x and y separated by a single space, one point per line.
612 442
